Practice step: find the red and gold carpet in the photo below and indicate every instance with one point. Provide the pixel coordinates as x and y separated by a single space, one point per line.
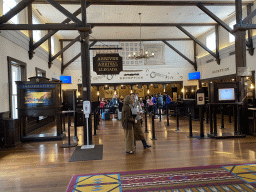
189 179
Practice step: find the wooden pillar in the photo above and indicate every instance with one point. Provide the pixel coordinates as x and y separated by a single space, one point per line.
240 49
30 33
217 44
50 52
62 58
250 41
86 72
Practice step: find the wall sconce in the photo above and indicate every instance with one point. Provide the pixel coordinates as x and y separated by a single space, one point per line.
131 91
115 93
252 87
192 90
78 93
182 90
148 91
98 93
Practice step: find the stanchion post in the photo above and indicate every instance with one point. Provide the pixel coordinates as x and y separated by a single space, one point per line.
211 123
64 124
177 118
153 127
95 122
69 144
160 114
222 117
167 114
190 123
69 124
146 120
235 118
229 116
239 131
215 121
201 116
207 113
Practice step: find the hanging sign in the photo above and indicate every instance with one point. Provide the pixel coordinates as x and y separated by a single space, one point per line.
104 64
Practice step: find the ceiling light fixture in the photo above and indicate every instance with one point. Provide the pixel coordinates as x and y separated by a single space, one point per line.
142 54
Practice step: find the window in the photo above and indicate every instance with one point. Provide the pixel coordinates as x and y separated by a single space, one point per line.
36 33
7 6
40 72
232 37
52 45
16 72
211 41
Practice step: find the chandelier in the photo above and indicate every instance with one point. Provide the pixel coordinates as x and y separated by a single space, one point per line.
142 54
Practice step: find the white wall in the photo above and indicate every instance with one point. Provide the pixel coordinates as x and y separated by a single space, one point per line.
16 45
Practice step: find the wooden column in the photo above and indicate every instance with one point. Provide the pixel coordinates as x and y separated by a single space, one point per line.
62 58
86 72
50 52
30 33
240 49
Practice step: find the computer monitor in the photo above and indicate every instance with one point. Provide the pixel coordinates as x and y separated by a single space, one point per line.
65 79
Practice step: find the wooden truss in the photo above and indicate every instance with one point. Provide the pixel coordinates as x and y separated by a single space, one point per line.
54 28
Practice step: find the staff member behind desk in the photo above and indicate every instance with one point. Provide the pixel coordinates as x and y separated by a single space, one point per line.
136 113
128 122
113 104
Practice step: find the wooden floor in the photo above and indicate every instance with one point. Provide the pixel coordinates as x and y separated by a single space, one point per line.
44 166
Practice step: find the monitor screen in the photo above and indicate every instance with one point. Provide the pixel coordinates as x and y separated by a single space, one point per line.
37 98
193 76
65 79
226 94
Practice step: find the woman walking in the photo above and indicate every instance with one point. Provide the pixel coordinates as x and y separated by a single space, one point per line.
128 122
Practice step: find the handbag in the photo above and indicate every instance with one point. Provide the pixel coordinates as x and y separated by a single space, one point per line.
135 110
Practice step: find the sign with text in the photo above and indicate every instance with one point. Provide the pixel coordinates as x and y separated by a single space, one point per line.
104 64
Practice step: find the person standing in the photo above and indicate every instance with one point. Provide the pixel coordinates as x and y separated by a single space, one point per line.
102 105
138 133
128 123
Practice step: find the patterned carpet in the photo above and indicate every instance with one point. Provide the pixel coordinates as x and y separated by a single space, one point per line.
190 179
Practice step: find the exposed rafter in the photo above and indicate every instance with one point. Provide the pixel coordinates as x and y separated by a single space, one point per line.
52 32
249 43
149 3
214 17
171 39
181 54
15 10
149 24
75 58
44 27
64 11
197 41
65 48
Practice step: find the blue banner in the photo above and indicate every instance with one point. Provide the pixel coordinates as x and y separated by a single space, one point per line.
37 86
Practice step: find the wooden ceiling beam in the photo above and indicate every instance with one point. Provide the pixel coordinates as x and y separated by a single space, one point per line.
149 24
214 17
181 54
52 32
44 27
15 10
197 41
76 57
145 3
64 11
166 39
65 48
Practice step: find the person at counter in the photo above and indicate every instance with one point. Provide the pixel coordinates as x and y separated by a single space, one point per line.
113 105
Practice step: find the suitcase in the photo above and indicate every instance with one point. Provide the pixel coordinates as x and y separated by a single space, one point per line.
119 115
105 116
